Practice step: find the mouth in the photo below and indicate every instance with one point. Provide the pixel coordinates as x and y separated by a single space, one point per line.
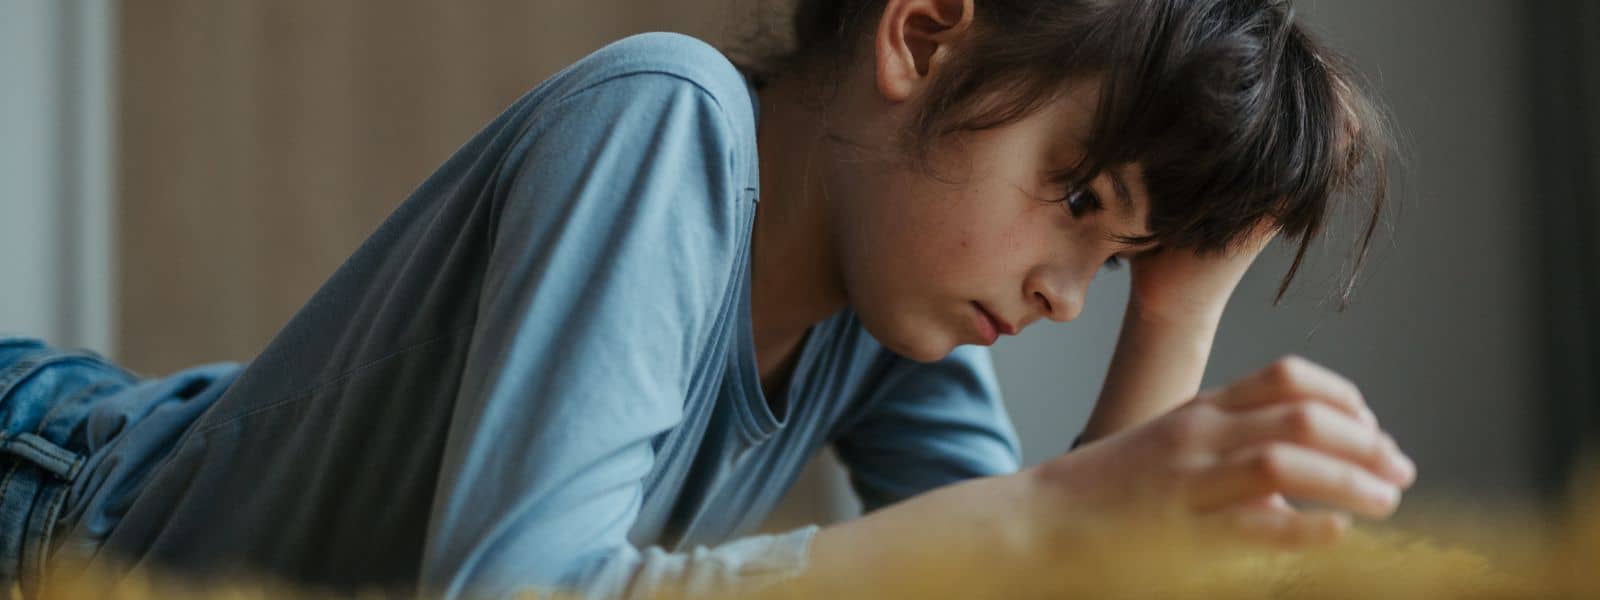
991 327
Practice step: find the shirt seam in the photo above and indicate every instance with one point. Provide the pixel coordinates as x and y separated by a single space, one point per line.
722 111
309 391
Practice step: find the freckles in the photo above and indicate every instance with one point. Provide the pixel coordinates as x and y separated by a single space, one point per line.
1026 228
946 258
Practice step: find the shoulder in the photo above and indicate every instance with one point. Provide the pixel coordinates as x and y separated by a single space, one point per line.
635 164
661 63
653 119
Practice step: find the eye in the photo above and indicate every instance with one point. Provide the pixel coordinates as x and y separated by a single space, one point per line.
1081 201
1113 263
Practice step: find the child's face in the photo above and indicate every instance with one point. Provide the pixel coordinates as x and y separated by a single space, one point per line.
922 260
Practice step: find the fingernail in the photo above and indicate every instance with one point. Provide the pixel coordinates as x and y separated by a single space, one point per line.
1382 495
1401 467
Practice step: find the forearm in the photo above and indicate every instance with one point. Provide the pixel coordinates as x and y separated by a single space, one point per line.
1158 363
957 541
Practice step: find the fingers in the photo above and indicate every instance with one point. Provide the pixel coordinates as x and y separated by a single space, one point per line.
1294 471
1290 378
1317 426
1282 528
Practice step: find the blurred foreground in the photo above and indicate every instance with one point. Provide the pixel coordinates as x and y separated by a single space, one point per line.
1450 553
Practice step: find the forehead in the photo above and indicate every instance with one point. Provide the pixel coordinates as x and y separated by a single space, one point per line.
1071 112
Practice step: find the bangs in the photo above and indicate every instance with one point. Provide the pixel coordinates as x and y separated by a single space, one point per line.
1235 115
1255 124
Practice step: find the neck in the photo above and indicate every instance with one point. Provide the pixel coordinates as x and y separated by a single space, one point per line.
794 276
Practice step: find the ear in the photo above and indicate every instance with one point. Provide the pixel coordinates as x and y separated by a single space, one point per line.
914 39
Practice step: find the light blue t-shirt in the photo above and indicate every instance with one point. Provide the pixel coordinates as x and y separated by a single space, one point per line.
538 372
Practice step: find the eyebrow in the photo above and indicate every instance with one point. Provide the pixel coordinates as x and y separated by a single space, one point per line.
1124 197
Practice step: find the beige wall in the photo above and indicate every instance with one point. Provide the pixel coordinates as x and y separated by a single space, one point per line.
262 140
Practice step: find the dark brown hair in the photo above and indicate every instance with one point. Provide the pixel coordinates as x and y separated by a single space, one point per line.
1234 111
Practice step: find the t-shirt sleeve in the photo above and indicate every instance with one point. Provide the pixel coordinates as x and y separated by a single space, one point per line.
614 245
928 425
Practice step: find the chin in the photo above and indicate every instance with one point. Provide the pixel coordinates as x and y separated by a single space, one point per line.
918 342
920 354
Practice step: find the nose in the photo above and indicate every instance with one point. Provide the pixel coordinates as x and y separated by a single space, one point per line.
1059 303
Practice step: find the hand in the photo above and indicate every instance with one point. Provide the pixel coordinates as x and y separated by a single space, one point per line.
1178 284
1102 514
1227 458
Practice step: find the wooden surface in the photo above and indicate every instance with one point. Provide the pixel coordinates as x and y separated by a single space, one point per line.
261 141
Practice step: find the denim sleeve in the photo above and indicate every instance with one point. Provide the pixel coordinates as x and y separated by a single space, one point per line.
929 425
612 257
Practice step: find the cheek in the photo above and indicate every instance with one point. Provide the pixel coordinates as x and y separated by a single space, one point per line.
937 245
907 261
999 241
919 261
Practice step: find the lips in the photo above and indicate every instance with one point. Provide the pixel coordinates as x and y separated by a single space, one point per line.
1001 324
990 326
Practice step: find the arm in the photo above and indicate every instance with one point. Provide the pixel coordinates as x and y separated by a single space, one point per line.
616 236
926 426
1157 365
1084 524
1174 305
